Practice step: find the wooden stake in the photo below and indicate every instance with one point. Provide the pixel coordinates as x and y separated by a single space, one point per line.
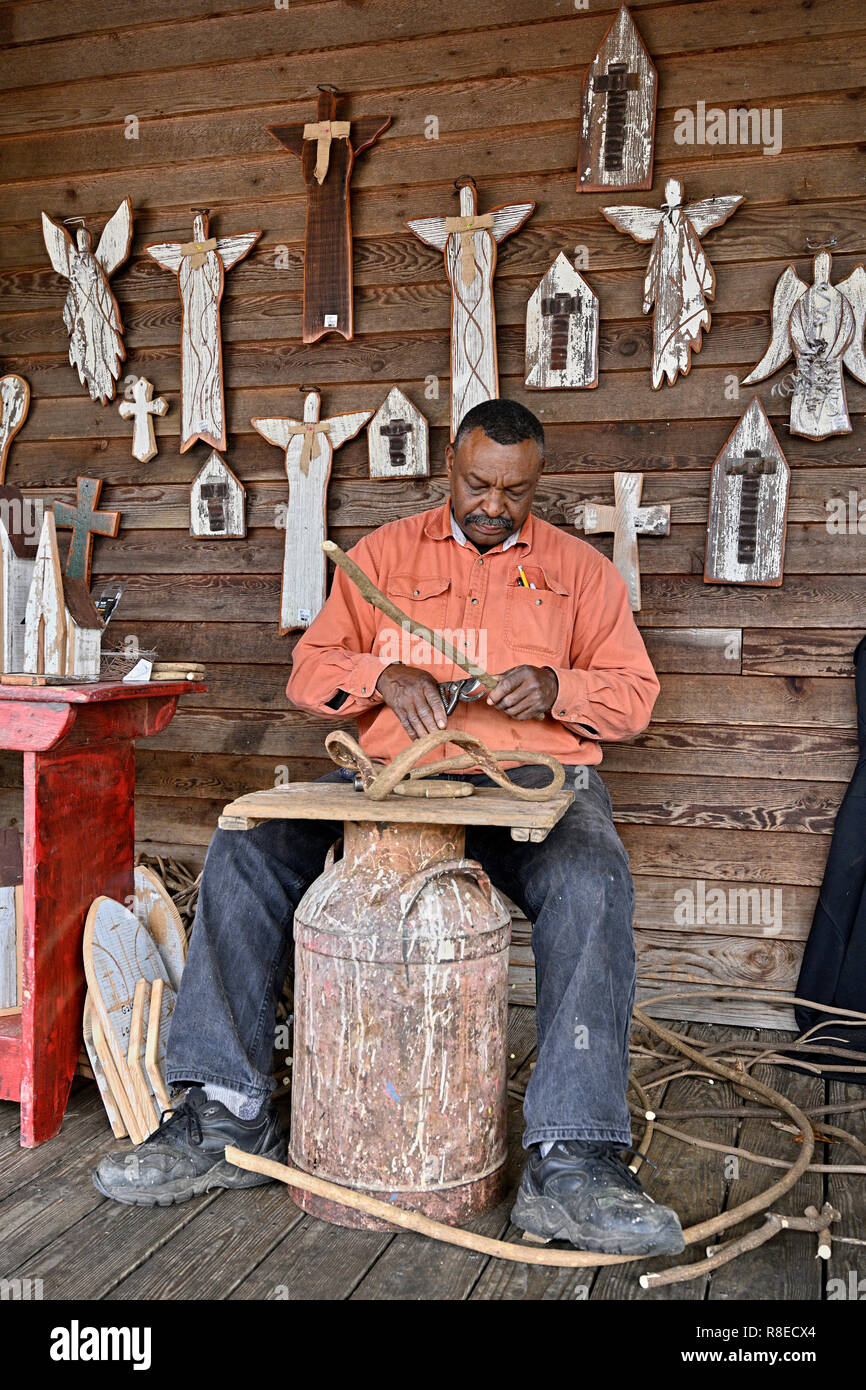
151 1061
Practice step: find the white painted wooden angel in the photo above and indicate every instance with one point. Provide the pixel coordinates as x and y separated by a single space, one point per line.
90 313
470 243
308 447
200 266
822 327
679 278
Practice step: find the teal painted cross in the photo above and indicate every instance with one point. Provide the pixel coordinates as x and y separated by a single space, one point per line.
85 522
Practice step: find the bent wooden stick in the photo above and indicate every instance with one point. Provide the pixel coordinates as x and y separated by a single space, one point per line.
151 1060
383 603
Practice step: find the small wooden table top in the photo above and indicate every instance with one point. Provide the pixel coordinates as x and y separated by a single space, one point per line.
528 820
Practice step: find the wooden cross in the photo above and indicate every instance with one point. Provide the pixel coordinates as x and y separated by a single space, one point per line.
617 82
559 308
627 519
216 496
304 565
85 522
474 370
751 466
395 432
327 149
140 409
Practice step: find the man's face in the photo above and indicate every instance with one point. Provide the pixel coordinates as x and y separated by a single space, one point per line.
492 486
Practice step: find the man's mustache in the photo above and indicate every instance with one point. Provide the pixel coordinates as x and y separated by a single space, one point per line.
479 519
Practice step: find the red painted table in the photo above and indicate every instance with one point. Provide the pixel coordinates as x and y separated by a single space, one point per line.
79 828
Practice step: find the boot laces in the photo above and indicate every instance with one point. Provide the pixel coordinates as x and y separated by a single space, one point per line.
178 1126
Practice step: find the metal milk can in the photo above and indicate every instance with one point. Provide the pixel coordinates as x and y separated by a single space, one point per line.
401 993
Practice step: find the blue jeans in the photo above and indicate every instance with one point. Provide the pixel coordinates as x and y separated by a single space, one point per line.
575 886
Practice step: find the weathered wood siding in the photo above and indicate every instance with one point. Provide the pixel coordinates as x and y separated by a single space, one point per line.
738 779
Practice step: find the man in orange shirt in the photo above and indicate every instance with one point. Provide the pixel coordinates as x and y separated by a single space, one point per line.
551 616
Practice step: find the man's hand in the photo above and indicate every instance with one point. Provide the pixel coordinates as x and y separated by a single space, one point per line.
525 692
414 697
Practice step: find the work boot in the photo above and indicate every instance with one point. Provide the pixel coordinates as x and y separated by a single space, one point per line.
184 1156
584 1193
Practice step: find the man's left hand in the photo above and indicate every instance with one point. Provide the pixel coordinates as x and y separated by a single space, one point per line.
525 692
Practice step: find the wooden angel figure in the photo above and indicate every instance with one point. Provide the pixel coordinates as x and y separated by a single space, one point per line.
200 266
309 446
822 326
14 405
679 278
327 149
469 243
90 313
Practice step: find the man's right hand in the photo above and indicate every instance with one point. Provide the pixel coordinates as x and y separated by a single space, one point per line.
414 697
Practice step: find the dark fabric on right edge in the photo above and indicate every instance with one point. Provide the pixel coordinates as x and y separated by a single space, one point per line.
834 963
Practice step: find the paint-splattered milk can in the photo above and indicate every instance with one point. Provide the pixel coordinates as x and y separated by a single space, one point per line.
401 992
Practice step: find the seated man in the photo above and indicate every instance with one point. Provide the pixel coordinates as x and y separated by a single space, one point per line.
478 564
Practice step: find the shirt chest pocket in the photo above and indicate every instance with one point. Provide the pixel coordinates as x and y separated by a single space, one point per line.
539 620
423 598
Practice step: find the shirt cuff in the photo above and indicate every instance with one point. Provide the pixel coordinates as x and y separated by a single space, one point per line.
569 706
361 680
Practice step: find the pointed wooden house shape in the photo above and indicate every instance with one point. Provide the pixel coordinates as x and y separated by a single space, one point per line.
62 629
398 439
217 507
562 330
748 506
17 558
618 112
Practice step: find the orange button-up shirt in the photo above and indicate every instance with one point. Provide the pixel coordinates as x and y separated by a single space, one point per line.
576 620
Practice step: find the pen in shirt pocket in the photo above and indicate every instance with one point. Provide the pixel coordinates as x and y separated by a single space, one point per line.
522 578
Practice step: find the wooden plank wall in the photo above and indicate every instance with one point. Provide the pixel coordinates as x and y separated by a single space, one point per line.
738 779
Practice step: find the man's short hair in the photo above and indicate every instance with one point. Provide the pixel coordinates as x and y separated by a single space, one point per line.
503 421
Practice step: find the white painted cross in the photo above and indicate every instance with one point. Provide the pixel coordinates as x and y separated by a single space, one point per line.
140 409
627 519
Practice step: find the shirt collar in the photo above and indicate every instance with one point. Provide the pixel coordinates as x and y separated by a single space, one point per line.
442 523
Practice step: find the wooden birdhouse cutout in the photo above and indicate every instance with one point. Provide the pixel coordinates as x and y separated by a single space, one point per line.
17 559
308 446
748 506
327 149
397 439
217 509
627 519
469 243
562 330
618 112
62 629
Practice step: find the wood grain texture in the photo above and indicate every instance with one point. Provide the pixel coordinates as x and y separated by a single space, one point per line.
469 245
308 447
141 410
627 519
398 439
748 505
200 266
91 314
327 149
562 330
217 502
772 708
821 326
14 405
618 110
679 279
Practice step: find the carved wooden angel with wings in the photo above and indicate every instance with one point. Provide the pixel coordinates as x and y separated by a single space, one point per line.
822 327
200 266
679 278
90 313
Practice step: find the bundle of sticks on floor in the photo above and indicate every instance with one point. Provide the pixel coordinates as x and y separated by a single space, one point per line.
659 1055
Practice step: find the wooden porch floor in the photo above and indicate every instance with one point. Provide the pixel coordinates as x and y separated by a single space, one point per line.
257 1244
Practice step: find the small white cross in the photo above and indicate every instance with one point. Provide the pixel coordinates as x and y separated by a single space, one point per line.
140 409
627 519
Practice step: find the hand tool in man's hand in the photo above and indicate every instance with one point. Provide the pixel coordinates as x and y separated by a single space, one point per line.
373 595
